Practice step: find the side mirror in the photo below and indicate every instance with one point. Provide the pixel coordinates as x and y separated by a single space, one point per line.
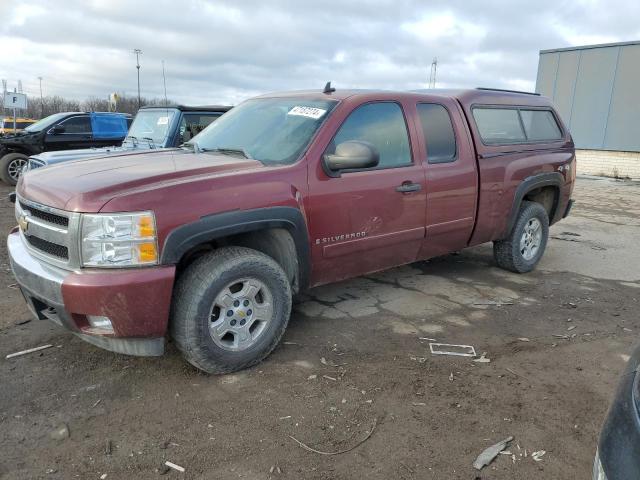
352 154
58 129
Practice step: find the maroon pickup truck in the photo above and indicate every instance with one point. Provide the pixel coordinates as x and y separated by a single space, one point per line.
209 242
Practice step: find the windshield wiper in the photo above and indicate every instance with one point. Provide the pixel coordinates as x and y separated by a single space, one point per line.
152 143
228 151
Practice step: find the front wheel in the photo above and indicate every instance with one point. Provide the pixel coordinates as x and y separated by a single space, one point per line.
230 309
11 166
521 251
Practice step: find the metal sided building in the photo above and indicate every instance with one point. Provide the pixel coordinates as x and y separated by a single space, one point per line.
596 89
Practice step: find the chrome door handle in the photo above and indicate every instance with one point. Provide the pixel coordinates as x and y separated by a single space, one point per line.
408 187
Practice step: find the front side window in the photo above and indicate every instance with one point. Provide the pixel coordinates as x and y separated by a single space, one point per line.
77 125
382 125
271 130
438 133
499 125
540 125
193 123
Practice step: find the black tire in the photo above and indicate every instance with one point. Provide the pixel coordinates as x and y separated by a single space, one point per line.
195 293
8 165
507 252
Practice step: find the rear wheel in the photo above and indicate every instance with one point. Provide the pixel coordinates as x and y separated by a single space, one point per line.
230 309
521 251
11 166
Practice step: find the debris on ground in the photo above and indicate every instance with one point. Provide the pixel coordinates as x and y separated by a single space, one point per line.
29 350
60 433
482 358
335 365
23 322
329 378
320 452
450 349
571 328
312 377
96 403
489 454
177 468
108 447
451 377
524 339
537 456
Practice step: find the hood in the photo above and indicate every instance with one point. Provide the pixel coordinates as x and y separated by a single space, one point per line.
54 157
85 186
18 137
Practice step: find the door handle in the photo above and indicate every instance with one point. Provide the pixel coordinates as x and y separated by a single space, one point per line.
408 187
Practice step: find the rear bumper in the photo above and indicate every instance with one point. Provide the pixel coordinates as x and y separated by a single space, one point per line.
136 301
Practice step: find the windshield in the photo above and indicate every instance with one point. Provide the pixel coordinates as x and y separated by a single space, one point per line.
46 122
271 130
152 124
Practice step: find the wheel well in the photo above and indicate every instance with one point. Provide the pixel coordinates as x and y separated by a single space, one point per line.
277 243
547 197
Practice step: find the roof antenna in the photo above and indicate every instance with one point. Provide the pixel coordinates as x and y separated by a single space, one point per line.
328 88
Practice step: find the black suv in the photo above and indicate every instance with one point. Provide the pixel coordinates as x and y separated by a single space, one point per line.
60 131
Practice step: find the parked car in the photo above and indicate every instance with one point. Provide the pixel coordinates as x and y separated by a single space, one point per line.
7 125
60 131
617 457
284 192
152 128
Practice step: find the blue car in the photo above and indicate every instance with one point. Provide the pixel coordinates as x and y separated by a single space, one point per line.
152 128
618 456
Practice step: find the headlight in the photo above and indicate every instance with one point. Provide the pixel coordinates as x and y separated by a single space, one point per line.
598 471
119 240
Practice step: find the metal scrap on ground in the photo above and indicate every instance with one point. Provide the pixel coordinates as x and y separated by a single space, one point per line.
174 466
320 452
30 350
489 454
449 349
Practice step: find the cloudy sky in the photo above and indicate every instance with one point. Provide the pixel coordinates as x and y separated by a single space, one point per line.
223 52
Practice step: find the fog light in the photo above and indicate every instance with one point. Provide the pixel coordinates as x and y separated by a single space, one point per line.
102 323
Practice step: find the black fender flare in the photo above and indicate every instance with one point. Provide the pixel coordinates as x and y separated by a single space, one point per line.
211 227
553 179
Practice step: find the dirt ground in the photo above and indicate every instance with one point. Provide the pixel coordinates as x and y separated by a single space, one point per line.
355 359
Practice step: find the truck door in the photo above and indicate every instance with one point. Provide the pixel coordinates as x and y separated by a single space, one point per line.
452 177
373 218
77 134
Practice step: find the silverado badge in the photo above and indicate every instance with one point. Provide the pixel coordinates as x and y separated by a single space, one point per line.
23 223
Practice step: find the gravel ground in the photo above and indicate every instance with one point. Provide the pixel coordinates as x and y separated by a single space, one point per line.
354 365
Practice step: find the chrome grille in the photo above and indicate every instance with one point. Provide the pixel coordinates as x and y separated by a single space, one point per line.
50 233
50 248
47 216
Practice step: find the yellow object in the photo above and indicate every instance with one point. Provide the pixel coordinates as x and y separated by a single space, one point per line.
6 125
147 252
146 227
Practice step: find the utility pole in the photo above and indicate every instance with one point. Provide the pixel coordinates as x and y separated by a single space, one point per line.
433 73
138 52
41 99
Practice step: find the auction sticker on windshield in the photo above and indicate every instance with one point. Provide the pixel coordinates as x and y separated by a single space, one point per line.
310 112
163 120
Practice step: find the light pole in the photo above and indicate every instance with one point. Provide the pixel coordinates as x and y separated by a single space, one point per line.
138 52
41 99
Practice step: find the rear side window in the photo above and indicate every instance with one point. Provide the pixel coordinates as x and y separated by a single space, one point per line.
499 125
438 133
540 125
504 126
77 125
381 124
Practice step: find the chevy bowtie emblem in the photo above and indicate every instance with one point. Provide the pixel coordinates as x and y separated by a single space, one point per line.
23 223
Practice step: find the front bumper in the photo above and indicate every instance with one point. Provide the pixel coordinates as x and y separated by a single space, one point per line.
136 301
620 437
